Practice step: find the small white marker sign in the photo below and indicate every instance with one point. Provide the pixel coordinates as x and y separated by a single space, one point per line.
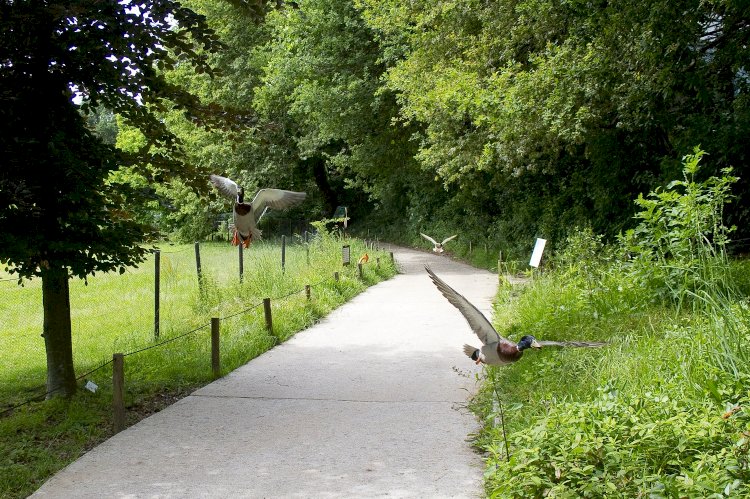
536 255
91 386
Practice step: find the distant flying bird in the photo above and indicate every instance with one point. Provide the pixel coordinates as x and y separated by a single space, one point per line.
438 247
495 349
364 258
246 215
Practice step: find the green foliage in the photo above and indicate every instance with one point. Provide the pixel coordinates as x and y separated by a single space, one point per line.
628 446
554 114
322 84
679 246
60 215
661 411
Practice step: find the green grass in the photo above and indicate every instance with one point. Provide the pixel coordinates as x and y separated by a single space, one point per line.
115 313
642 417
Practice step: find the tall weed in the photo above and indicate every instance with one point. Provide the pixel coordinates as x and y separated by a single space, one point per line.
678 249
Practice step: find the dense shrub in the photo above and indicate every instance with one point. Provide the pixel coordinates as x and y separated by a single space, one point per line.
628 446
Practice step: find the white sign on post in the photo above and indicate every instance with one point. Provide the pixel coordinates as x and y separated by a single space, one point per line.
536 255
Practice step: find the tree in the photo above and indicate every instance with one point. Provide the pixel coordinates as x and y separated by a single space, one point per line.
586 103
60 214
321 88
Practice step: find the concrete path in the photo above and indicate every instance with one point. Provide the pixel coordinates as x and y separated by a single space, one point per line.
367 403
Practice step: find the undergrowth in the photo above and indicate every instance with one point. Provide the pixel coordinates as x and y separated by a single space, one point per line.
664 409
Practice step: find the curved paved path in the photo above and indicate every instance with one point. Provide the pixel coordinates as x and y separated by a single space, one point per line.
364 404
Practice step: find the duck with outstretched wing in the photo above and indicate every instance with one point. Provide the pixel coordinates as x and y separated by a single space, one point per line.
495 349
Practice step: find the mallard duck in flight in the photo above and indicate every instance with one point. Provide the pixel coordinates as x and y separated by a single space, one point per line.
247 215
438 247
495 349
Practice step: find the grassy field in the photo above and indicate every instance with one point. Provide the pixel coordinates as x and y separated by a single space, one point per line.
115 313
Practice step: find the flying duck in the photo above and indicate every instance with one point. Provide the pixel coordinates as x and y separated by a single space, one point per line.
246 215
438 247
495 349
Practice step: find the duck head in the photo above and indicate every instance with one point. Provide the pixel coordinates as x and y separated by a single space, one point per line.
528 341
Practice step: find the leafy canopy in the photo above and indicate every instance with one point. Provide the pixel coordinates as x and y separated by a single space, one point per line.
57 205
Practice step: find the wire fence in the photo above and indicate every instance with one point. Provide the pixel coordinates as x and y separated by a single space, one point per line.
215 267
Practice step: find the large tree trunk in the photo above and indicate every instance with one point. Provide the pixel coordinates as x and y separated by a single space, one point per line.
330 198
61 379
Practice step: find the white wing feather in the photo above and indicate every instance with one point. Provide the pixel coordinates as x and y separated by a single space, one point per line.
226 187
449 238
276 199
428 238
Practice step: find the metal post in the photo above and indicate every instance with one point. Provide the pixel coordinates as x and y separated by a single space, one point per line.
198 262
157 273
242 270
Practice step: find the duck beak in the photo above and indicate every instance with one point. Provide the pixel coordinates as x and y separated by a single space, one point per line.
535 344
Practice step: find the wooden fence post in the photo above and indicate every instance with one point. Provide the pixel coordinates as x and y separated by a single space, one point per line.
307 291
359 267
242 270
267 311
392 260
377 262
157 273
336 276
118 390
215 356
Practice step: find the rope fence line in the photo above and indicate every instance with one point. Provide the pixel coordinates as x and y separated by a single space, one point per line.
39 397
169 340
